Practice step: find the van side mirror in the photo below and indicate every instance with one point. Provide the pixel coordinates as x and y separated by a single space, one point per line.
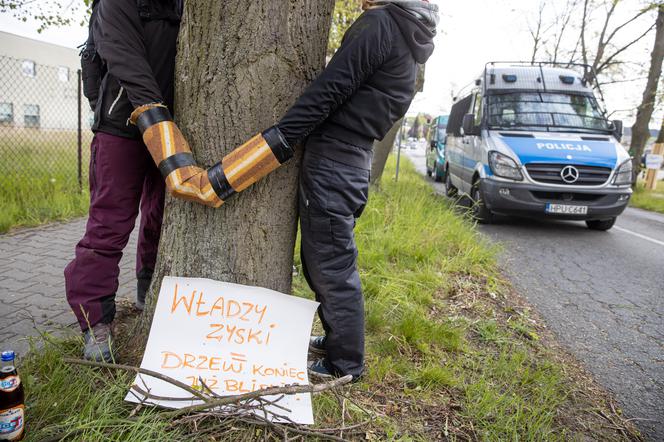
617 126
469 124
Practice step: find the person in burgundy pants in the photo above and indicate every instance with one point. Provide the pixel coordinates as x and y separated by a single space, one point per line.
128 62
123 178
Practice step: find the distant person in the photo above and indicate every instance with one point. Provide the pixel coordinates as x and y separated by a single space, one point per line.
129 61
367 86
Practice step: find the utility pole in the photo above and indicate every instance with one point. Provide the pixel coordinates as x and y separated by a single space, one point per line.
658 149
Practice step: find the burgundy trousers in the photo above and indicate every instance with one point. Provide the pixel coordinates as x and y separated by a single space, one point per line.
123 178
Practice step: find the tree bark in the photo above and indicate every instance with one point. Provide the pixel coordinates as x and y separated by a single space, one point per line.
640 129
240 65
382 150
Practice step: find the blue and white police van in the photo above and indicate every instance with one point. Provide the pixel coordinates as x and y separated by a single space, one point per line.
532 140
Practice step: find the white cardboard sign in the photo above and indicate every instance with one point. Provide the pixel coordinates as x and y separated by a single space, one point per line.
236 338
654 161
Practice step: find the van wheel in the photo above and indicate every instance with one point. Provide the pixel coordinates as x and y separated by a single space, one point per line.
601 224
437 176
450 190
480 211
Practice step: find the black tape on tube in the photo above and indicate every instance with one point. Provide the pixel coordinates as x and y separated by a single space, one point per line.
153 116
174 162
280 147
220 183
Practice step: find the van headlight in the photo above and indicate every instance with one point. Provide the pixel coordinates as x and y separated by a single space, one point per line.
504 166
624 174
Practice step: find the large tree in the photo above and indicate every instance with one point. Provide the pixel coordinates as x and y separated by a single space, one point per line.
345 13
48 13
640 129
240 65
382 148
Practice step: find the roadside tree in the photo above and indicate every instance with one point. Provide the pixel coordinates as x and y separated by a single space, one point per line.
640 129
345 13
240 66
48 13
382 148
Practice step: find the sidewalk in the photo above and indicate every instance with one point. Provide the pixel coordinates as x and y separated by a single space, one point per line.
32 294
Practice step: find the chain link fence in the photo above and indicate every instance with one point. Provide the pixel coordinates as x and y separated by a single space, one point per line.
44 129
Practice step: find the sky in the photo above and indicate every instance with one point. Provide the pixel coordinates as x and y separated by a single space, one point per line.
471 33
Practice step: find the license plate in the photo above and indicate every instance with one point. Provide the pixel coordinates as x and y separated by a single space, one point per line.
566 209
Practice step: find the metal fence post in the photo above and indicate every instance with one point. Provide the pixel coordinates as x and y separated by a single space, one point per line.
403 123
80 135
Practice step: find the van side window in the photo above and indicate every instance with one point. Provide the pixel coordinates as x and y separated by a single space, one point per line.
478 109
459 109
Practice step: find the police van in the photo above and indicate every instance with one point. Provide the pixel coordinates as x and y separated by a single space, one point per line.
532 140
435 153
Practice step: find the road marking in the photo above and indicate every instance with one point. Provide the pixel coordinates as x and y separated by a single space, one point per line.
638 235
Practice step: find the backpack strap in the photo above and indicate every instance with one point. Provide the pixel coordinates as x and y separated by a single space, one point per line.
148 12
144 10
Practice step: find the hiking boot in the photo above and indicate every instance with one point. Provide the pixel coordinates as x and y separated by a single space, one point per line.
143 280
317 345
318 370
98 343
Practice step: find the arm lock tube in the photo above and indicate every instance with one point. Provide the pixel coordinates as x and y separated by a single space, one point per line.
238 170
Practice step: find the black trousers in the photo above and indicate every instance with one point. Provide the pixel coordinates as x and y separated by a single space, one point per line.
332 196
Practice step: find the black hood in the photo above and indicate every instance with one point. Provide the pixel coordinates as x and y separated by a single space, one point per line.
418 37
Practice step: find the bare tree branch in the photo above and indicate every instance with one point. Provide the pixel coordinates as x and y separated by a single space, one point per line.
624 48
566 17
636 17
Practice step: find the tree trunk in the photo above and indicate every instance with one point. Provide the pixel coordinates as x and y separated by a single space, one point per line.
381 151
240 65
640 130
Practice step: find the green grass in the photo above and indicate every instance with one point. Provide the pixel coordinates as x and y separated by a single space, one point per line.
39 177
649 200
450 354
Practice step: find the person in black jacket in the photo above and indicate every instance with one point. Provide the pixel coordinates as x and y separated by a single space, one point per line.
367 86
136 39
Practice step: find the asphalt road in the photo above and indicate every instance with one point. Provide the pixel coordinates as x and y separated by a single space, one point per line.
602 294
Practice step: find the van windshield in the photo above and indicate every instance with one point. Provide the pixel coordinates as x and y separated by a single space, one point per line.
554 112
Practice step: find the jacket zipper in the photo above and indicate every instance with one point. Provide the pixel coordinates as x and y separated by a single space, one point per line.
110 109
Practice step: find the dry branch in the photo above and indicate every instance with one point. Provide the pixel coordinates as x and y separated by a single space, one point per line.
272 391
250 408
138 370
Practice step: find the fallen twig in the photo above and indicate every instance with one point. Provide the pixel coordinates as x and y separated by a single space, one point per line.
296 430
247 406
147 395
349 428
290 389
138 370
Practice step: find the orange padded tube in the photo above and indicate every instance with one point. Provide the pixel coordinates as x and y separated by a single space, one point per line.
238 170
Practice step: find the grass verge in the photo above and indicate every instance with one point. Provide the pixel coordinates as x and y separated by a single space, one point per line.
39 177
652 200
453 353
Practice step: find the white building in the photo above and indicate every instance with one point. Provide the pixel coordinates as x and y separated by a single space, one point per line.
39 85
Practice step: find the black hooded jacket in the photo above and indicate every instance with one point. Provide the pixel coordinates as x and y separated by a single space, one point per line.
366 88
137 41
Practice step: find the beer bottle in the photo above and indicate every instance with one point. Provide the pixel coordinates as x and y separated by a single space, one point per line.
12 398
